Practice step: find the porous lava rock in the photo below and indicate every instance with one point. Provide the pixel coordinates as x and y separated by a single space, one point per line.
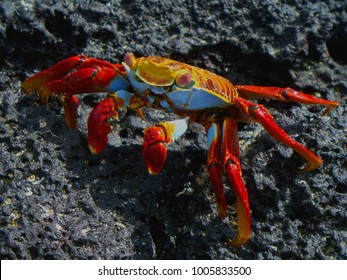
58 201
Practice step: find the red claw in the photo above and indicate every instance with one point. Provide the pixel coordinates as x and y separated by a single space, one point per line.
153 149
98 127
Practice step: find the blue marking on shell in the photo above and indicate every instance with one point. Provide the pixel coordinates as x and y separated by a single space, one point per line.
118 83
211 134
125 96
139 87
150 99
196 99
158 90
165 105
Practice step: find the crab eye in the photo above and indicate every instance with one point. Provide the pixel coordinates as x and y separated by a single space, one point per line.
130 60
183 80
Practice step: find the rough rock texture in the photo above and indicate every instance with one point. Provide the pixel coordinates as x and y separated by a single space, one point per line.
60 202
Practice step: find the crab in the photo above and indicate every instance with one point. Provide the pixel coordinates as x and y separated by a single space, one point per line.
193 94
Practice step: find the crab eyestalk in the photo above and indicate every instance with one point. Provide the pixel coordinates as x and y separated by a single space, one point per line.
130 60
184 79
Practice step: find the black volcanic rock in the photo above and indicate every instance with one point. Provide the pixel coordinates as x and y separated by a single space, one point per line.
58 201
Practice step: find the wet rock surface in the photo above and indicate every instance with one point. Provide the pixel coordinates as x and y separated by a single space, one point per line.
58 201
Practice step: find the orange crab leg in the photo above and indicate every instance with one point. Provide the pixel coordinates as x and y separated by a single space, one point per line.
231 160
262 116
284 94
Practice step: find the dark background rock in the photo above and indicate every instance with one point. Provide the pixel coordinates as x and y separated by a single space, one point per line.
60 202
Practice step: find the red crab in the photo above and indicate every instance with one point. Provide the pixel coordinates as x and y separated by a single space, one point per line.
194 94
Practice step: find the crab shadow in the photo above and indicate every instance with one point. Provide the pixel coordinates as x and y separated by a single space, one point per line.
169 214
172 215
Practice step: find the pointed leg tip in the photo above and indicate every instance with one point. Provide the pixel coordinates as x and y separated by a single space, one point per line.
329 108
311 166
92 150
238 241
222 213
153 172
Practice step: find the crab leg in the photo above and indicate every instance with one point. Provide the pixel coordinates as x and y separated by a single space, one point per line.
57 71
70 103
231 161
226 139
214 167
62 69
154 150
284 94
261 115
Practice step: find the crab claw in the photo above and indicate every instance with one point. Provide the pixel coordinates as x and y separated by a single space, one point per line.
153 149
98 127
